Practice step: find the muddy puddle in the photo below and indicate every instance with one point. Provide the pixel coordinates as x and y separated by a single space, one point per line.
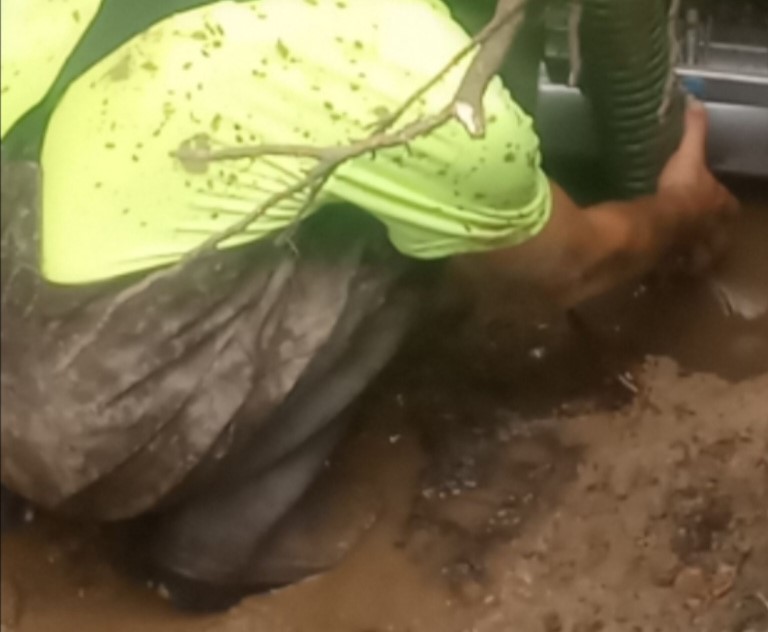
603 472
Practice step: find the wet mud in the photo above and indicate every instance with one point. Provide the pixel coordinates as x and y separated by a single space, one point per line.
606 470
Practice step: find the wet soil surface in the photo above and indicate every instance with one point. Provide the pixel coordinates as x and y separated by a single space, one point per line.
607 471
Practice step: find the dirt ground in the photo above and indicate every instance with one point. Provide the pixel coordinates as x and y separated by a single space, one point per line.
607 473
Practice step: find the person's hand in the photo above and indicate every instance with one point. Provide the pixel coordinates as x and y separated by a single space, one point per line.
584 252
701 205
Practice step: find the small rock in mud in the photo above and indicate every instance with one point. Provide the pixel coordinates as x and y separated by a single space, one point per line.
552 622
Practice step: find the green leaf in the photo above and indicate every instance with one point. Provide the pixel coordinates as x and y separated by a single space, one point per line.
37 36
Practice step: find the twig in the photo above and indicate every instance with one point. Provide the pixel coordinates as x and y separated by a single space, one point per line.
493 41
501 31
195 153
330 159
490 35
496 36
390 119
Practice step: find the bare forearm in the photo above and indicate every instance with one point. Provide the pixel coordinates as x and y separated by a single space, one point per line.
585 252
621 241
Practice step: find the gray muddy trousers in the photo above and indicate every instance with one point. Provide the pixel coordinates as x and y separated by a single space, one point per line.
209 398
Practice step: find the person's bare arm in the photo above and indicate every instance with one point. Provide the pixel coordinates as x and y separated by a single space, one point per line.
582 253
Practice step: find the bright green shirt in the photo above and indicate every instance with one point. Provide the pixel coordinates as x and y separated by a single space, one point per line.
319 72
31 58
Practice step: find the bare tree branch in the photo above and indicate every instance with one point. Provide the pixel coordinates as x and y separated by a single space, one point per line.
195 153
492 42
331 158
498 36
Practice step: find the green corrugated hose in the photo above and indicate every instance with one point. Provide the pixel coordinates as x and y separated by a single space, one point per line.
626 63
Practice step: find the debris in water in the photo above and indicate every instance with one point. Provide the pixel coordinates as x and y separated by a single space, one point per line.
163 591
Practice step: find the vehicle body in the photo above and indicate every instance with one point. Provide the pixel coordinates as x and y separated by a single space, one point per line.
723 52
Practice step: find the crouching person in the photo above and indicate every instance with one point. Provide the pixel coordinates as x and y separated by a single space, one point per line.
152 373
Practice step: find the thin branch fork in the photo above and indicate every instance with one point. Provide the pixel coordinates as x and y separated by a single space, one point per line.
493 41
498 37
330 159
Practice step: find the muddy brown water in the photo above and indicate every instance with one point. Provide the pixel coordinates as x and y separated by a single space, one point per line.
607 473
